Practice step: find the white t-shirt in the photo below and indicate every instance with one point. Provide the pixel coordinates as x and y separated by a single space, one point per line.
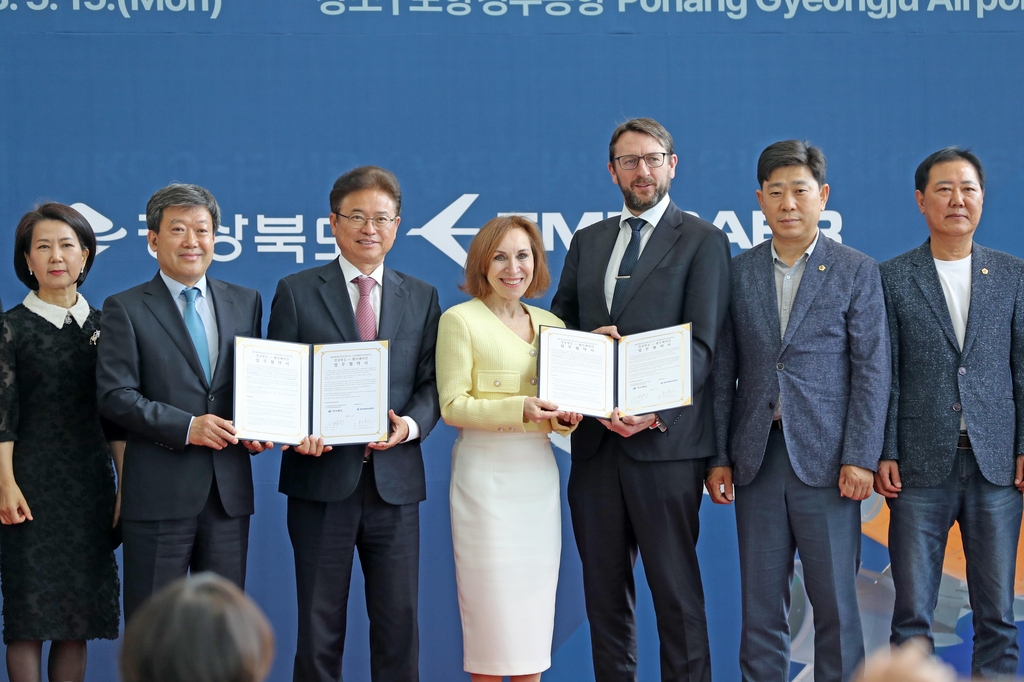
955 276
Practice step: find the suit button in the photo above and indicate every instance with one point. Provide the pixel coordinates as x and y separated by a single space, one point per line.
533 352
210 397
533 381
956 407
780 366
497 383
962 371
771 404
501 429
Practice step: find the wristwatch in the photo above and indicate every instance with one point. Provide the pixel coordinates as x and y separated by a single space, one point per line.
658 424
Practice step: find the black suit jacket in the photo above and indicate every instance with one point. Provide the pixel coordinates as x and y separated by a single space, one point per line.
682 276
149 381
313 306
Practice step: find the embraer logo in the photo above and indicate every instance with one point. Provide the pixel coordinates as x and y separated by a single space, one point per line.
440 230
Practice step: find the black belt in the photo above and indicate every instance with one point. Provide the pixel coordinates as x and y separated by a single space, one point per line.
777 424
964 442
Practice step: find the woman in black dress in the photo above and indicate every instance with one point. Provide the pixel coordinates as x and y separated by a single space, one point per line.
57 492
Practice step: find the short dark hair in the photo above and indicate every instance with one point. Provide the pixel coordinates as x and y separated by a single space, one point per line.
942 156
61 213
486 241
647 126
791 153
366 177
197 629
179 194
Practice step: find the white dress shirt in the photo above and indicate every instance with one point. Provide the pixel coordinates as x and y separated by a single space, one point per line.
351 273
652 217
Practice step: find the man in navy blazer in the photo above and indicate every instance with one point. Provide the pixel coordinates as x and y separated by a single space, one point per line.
355 497
801 387
636 481
954 437
187 492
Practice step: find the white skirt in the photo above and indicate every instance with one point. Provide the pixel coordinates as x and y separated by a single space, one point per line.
507 534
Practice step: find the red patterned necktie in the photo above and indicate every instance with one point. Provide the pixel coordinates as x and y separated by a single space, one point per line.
365 319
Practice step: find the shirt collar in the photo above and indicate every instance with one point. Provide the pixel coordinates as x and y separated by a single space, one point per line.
56 315
350 272
176 287
807 253
651 216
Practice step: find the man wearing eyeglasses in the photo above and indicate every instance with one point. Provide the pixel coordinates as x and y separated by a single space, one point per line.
355 497
636 481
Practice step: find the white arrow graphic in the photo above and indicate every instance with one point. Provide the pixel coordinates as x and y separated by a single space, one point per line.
100 226
440 230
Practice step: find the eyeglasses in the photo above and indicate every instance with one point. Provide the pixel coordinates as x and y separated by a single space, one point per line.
631 161
358 221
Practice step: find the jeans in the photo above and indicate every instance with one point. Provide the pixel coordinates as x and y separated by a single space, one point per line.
989 517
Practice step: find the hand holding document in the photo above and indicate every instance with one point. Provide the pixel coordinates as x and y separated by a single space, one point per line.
285 391
594 374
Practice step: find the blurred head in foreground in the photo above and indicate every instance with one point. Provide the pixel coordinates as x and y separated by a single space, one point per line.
198 629
911 662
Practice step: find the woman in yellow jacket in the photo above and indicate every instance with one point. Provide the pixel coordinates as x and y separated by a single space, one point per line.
505 508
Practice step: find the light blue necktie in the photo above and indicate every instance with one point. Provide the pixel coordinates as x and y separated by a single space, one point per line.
629 259
196 329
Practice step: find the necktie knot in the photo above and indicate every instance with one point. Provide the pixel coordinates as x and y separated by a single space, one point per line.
365 284
636 224
190 294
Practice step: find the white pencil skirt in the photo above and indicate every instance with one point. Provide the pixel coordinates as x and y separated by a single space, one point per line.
507 533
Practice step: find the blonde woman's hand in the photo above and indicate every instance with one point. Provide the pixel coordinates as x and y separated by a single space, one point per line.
537 410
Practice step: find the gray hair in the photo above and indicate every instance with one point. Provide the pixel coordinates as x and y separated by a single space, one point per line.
178 194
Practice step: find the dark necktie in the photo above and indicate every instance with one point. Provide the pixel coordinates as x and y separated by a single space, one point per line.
197 330
629 259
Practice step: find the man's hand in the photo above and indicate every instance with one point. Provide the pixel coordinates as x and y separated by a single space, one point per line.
399 432
1018 478
13 507
212 431
537 410
719 485
628 425
610 330
855 482
314 447
255 447
887 480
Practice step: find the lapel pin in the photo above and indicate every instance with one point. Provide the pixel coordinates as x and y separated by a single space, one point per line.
984 271
821 267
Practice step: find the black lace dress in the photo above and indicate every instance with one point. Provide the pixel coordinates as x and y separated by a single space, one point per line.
58 572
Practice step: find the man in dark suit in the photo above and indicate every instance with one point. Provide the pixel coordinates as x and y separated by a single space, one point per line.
164 372
636 481
356 497
801 387
955 433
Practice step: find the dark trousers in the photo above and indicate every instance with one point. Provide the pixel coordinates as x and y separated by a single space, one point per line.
158 552
620 506
989 518
324 535
777 515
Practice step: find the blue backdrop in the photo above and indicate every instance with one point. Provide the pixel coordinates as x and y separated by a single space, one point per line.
483 107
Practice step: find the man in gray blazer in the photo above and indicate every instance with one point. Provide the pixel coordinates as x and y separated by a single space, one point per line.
164 372
954 437
355 497
801 386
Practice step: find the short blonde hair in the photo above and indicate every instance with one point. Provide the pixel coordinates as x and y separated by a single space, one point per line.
486 241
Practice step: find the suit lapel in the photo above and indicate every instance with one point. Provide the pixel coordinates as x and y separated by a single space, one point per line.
158 300
392 304
334 292
662 240
764 284
927 279
224 310
817 270
604 243
981 291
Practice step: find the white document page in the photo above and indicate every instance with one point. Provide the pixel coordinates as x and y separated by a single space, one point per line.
350 392
577 371
654 371
271 390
